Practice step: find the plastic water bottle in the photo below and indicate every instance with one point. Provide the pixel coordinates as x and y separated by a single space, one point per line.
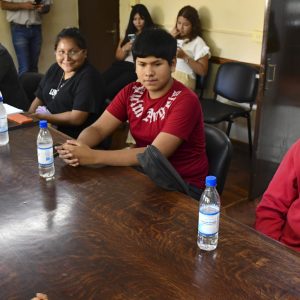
209 215
4 139
45 151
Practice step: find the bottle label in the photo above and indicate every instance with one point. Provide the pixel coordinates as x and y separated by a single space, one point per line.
209 222
3 124
45 156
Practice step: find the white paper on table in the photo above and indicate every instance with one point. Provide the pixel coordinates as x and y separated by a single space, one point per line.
11 109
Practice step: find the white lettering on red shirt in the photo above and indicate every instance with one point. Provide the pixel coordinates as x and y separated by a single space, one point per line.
135 101
153 116
137 105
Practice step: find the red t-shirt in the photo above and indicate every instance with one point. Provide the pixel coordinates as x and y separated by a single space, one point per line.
178 113
278 213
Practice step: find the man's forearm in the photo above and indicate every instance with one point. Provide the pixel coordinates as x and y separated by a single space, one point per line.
91 136
123 157
11 6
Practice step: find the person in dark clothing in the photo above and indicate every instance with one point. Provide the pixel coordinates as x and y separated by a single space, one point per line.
10 86
122 72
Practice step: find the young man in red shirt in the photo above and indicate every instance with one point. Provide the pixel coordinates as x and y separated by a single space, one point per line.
278 213
161 111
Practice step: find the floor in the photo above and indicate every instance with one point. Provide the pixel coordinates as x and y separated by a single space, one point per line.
235 198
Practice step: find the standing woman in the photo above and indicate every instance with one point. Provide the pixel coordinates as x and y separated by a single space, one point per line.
122 71
71 94
192 51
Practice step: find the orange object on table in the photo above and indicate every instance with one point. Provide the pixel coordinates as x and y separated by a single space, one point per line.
19 118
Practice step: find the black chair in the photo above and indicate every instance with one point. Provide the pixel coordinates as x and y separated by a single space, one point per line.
29 82
218 151
237 82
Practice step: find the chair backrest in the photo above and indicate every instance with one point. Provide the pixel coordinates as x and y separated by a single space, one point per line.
218 150
29 82
237 82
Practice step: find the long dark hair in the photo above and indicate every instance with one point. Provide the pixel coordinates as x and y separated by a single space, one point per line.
191 14
144 14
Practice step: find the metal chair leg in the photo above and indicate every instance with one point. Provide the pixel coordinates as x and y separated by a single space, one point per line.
228 128
249 133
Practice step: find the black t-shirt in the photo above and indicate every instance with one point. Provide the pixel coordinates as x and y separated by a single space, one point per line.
84 91
10 86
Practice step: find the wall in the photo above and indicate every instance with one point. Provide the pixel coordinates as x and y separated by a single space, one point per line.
232 29
62 14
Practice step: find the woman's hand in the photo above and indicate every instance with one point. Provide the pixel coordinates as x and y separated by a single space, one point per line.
37 116
127 47
174 32
75 153
41 113
180 53
42 110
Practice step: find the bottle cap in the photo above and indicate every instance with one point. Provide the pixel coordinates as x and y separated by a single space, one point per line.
43 124
211 181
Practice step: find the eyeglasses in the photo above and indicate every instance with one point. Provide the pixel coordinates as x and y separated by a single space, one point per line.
70 54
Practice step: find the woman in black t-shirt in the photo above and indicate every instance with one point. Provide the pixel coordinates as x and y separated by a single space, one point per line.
71 94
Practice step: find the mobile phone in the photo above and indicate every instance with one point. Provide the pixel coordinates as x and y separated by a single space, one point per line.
131 37
55 153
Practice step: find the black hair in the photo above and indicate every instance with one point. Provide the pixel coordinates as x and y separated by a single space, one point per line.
144 14
155 42
71 33
191 14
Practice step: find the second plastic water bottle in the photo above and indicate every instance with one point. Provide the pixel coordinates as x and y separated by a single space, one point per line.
209 214
4 138
45 151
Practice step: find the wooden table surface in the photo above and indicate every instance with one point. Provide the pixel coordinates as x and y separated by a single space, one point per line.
110 233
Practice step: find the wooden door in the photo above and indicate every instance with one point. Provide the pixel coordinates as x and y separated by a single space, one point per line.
278 113
99 22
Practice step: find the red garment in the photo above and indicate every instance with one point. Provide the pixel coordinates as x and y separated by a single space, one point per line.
178 113
278 214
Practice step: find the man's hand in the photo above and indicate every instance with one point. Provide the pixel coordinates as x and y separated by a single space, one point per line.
39 7
40 296
75 153
28 5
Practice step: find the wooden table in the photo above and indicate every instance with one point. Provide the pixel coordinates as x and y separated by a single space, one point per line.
110 233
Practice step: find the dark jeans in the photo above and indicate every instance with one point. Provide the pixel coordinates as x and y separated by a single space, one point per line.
27 41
